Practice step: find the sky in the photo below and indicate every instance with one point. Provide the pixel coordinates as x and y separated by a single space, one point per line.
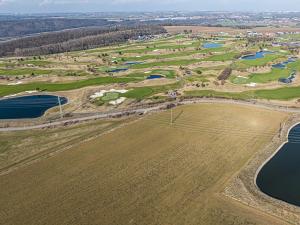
50 6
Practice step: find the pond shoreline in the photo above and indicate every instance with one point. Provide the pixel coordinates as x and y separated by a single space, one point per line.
270 158
31 106
243 188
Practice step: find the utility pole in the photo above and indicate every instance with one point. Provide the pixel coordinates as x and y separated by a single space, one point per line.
172 94
171 116
60 108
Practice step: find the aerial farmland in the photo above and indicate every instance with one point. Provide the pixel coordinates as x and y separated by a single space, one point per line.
177 127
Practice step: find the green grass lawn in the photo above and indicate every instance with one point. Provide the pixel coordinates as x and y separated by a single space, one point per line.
217 94
182 62
36 62
166 73
8 90
274 75
223 57
139 93
284 93
122 47
144 92
160 47
185 62
294 66
23 71
165 56
172 55
244 64
110 96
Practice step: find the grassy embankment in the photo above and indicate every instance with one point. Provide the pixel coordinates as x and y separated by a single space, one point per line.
284 94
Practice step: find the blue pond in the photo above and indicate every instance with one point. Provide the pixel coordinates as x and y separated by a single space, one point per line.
117 70
151 77
212 45
279 178
284 64
257 55
288 80
28 106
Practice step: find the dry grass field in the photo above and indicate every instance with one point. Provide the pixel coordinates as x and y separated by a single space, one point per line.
21 147
148 172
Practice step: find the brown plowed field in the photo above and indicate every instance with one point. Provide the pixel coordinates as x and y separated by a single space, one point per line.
148 172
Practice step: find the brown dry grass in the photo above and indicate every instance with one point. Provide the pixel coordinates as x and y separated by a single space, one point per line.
148 172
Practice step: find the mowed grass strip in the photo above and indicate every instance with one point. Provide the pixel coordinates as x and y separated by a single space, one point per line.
160 47
267 59
173 55
23 71
274 75
148 172
185 62
284 94
8 90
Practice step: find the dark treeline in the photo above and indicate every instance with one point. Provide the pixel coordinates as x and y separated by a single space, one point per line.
52 38
17 28
72 40
225 74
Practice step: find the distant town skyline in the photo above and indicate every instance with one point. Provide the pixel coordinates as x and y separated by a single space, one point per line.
51 6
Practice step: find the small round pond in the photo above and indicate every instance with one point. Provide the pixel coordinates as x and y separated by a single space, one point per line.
151 77
212 45
26 107
280 176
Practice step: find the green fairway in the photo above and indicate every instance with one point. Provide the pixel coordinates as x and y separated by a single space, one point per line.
285 93
8 90
160 47
269 58
139 93
144 92
182 62
294 66
166 73
223 57
172 55
36 62
165 56
23 71
110 96
274 75
217 94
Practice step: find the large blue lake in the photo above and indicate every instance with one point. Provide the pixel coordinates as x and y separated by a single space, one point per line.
257 55
280 177
28 106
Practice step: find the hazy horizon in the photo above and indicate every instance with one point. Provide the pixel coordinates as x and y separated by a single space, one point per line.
60 6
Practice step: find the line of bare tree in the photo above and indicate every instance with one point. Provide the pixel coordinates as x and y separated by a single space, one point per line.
76 39
17 28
